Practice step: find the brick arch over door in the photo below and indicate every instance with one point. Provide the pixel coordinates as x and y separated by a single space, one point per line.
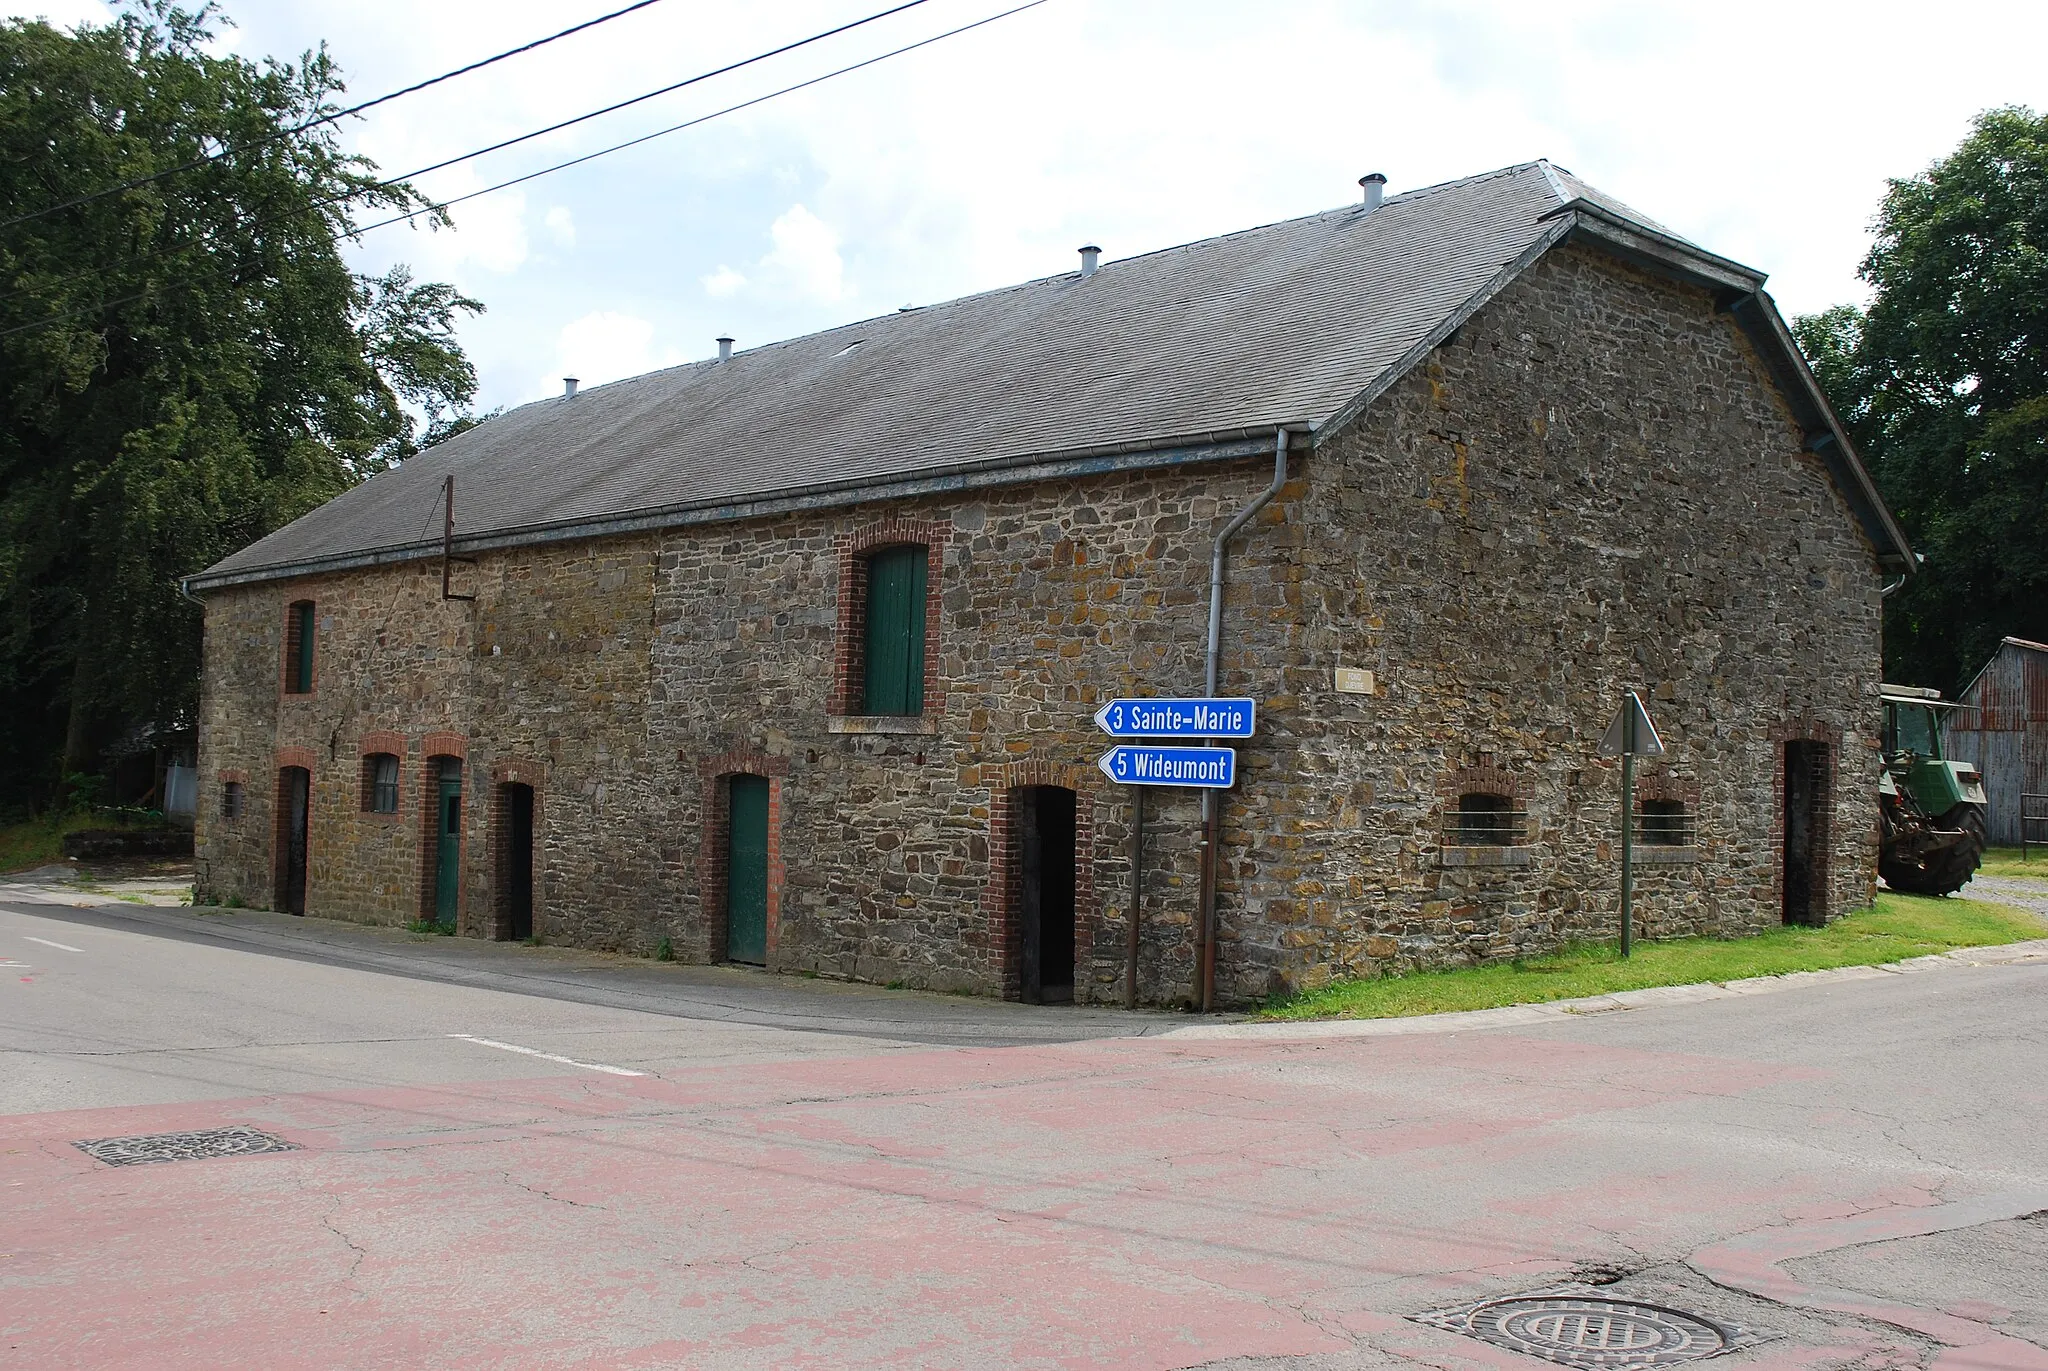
433 748
1000 896
715 774
1807 729
531 774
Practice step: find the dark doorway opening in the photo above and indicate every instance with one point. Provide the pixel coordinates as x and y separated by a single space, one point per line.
1804 803
294 822
515 854
746 870
1044 819
447 836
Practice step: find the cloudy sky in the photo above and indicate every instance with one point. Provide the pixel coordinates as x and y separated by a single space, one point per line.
1764 130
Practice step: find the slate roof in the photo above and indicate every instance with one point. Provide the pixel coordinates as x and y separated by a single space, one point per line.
1290 324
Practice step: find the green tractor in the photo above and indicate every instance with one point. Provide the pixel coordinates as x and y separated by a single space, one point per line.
1930 810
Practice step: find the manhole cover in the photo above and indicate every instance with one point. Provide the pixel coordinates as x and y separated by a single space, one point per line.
1591 1332
235 1141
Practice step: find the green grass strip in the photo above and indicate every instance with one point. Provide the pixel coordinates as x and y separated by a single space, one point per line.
1900 926
2007 861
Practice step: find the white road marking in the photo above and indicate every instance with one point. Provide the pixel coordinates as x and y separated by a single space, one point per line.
61 947
546 1056
11 962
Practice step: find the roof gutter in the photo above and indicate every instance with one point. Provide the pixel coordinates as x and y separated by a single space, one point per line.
1219 446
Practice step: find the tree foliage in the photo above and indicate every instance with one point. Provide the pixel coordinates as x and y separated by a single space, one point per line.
184 366
1943 382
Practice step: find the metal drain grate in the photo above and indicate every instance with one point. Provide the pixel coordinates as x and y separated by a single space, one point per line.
1591 1332
234 1141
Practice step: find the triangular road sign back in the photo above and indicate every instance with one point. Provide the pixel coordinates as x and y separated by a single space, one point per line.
1631 730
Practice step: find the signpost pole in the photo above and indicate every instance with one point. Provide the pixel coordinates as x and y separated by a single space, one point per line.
1137 895
1630 733
1628 848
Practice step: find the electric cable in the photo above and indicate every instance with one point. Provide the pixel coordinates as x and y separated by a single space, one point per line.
560 166
337 115
665 90
509 142
440 205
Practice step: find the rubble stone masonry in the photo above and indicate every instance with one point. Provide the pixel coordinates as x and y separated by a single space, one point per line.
1591 486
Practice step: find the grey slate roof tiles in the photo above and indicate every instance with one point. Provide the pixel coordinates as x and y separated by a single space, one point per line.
1284 324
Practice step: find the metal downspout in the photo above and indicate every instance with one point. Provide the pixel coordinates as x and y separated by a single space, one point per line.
1212 800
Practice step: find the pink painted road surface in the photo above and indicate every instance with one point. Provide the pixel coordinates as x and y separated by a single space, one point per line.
1118 1203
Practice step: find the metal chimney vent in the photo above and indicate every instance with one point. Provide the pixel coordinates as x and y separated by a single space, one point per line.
1375 187
1088 256
568 387
725 349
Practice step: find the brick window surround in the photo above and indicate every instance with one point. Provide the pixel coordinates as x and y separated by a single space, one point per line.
433 748
513 771
288 658
387 743
1485 778
1807 730
717 773
849 643
234 803
1659 787
1003 893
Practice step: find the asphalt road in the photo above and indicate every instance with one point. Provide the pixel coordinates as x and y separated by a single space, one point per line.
548 1160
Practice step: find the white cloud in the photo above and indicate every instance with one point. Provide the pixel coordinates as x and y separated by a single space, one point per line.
606 346
723 283
561 226
805 261
489 233
986 159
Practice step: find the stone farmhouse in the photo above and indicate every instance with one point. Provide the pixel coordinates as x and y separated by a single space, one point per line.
789 657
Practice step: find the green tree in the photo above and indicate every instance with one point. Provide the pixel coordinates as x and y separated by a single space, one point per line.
1943 382
185 365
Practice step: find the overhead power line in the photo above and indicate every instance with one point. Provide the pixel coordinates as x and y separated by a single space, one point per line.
665 90
262 220
560 166
692 123
337 115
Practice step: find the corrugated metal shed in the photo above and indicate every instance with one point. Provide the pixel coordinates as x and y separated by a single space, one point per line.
2004 733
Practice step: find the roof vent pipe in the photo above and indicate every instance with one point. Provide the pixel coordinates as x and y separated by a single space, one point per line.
1375 187
1088 256
725 349
568 387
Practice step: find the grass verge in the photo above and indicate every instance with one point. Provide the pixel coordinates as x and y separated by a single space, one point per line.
2005 861
40 842
1900 926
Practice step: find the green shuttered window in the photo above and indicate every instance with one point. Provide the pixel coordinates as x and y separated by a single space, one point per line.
893 674
298 649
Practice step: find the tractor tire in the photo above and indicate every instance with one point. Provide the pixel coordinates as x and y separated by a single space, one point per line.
1944 872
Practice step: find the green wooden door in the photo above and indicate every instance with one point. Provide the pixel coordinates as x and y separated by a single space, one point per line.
893 645
746 871
448 845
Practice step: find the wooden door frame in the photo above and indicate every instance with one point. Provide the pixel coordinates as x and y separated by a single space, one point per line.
715 775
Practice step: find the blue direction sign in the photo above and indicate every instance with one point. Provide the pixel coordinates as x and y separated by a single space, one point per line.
1213 768
1219 718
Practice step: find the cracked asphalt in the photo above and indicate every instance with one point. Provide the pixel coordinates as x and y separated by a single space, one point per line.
554 1161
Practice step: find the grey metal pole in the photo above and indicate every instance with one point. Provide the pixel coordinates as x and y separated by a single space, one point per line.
1628 846
1137 895
1212 800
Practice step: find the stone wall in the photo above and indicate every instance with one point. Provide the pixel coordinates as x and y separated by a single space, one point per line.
1590 487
